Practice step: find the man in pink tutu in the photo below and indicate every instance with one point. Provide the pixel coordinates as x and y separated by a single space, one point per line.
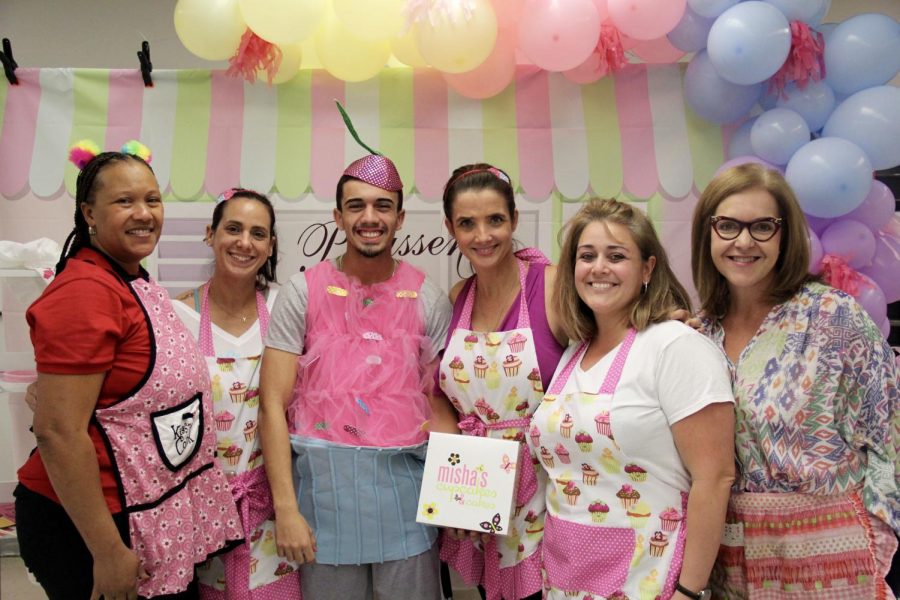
349 352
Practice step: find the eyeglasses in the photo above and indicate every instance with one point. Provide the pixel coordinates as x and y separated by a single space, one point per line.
761 230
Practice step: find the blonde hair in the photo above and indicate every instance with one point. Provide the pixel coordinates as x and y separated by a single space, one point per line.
664 292
792 267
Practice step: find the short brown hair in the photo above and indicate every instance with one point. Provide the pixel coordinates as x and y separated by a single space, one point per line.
664 292
792 266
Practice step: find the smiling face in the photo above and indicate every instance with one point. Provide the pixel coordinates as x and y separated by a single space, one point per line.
746 264
482 227
242 241
369 217
609 270
127 212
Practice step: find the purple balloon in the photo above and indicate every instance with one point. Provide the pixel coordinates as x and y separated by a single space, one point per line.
815 251
818 225
742 160
739 144
877 209
886 328
885 267
714 98
851 240
872 299
777 134
691 32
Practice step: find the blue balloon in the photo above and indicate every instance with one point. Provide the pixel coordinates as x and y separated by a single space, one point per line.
769 99
861 52
749 42
713 98
823 10
814 103
739 144
777 134
710 8
871 120
798 10
826 29
831 177
691 32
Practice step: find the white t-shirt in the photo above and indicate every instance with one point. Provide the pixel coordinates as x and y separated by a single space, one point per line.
226 345
671 372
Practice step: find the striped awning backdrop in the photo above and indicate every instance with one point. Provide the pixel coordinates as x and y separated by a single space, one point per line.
630 135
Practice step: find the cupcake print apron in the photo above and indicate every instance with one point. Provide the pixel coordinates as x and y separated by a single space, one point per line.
253 570
162 441
493 381
612 530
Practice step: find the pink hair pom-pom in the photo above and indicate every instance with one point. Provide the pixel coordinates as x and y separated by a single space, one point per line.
135 148
81 153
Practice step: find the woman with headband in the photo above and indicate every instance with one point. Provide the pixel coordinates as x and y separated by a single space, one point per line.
502 349
229 315
122 497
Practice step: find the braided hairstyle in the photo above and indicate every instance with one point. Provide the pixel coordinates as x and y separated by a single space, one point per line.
266 273
85 188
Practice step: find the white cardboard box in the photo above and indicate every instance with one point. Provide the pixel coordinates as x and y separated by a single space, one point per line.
469 483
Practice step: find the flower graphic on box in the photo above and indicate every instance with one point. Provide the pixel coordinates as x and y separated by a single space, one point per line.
453 459
430 510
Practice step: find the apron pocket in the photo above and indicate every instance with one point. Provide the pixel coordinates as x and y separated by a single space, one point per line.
587 557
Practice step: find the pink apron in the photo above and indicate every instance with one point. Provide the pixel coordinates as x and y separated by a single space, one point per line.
613 528
493 379
253 570
162 441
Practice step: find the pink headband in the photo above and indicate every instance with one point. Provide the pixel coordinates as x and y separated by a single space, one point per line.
492 170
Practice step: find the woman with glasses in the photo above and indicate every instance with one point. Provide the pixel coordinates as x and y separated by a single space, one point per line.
815 385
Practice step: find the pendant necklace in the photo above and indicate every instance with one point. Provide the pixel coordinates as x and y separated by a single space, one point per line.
368 300
243 318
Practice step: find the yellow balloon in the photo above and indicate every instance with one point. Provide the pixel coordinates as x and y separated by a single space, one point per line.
311 58
210 29
291 57
458 41
405 50
346 56
283 21
371 19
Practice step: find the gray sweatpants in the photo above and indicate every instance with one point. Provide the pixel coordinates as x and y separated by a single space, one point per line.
414 578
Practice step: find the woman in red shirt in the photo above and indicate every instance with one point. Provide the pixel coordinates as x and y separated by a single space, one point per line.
107 505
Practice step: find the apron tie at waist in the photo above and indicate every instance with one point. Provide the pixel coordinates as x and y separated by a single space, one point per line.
253 498
472 425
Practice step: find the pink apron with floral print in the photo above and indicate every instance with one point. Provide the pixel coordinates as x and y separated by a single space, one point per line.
612 529
493 379
162 442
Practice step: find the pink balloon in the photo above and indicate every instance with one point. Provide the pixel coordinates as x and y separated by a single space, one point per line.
851 240
877 209
508 12
742 160
815 252
885 267
558 35
871 298
602 9
646 19
589 71
658 51
493 75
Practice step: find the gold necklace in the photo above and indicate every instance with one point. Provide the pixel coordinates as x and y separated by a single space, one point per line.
242 317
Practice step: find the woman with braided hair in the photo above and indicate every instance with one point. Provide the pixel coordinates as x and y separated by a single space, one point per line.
122 496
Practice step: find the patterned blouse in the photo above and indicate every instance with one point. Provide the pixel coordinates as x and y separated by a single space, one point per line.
817 408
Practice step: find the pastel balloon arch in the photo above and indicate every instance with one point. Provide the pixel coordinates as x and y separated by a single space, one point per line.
807 98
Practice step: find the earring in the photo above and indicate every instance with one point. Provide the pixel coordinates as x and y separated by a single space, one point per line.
644 287
92 230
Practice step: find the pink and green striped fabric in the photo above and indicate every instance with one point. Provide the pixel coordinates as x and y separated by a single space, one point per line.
630 136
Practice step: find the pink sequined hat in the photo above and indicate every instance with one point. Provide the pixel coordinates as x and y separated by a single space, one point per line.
376 170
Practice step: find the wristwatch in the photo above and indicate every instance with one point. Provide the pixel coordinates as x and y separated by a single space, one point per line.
701 595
